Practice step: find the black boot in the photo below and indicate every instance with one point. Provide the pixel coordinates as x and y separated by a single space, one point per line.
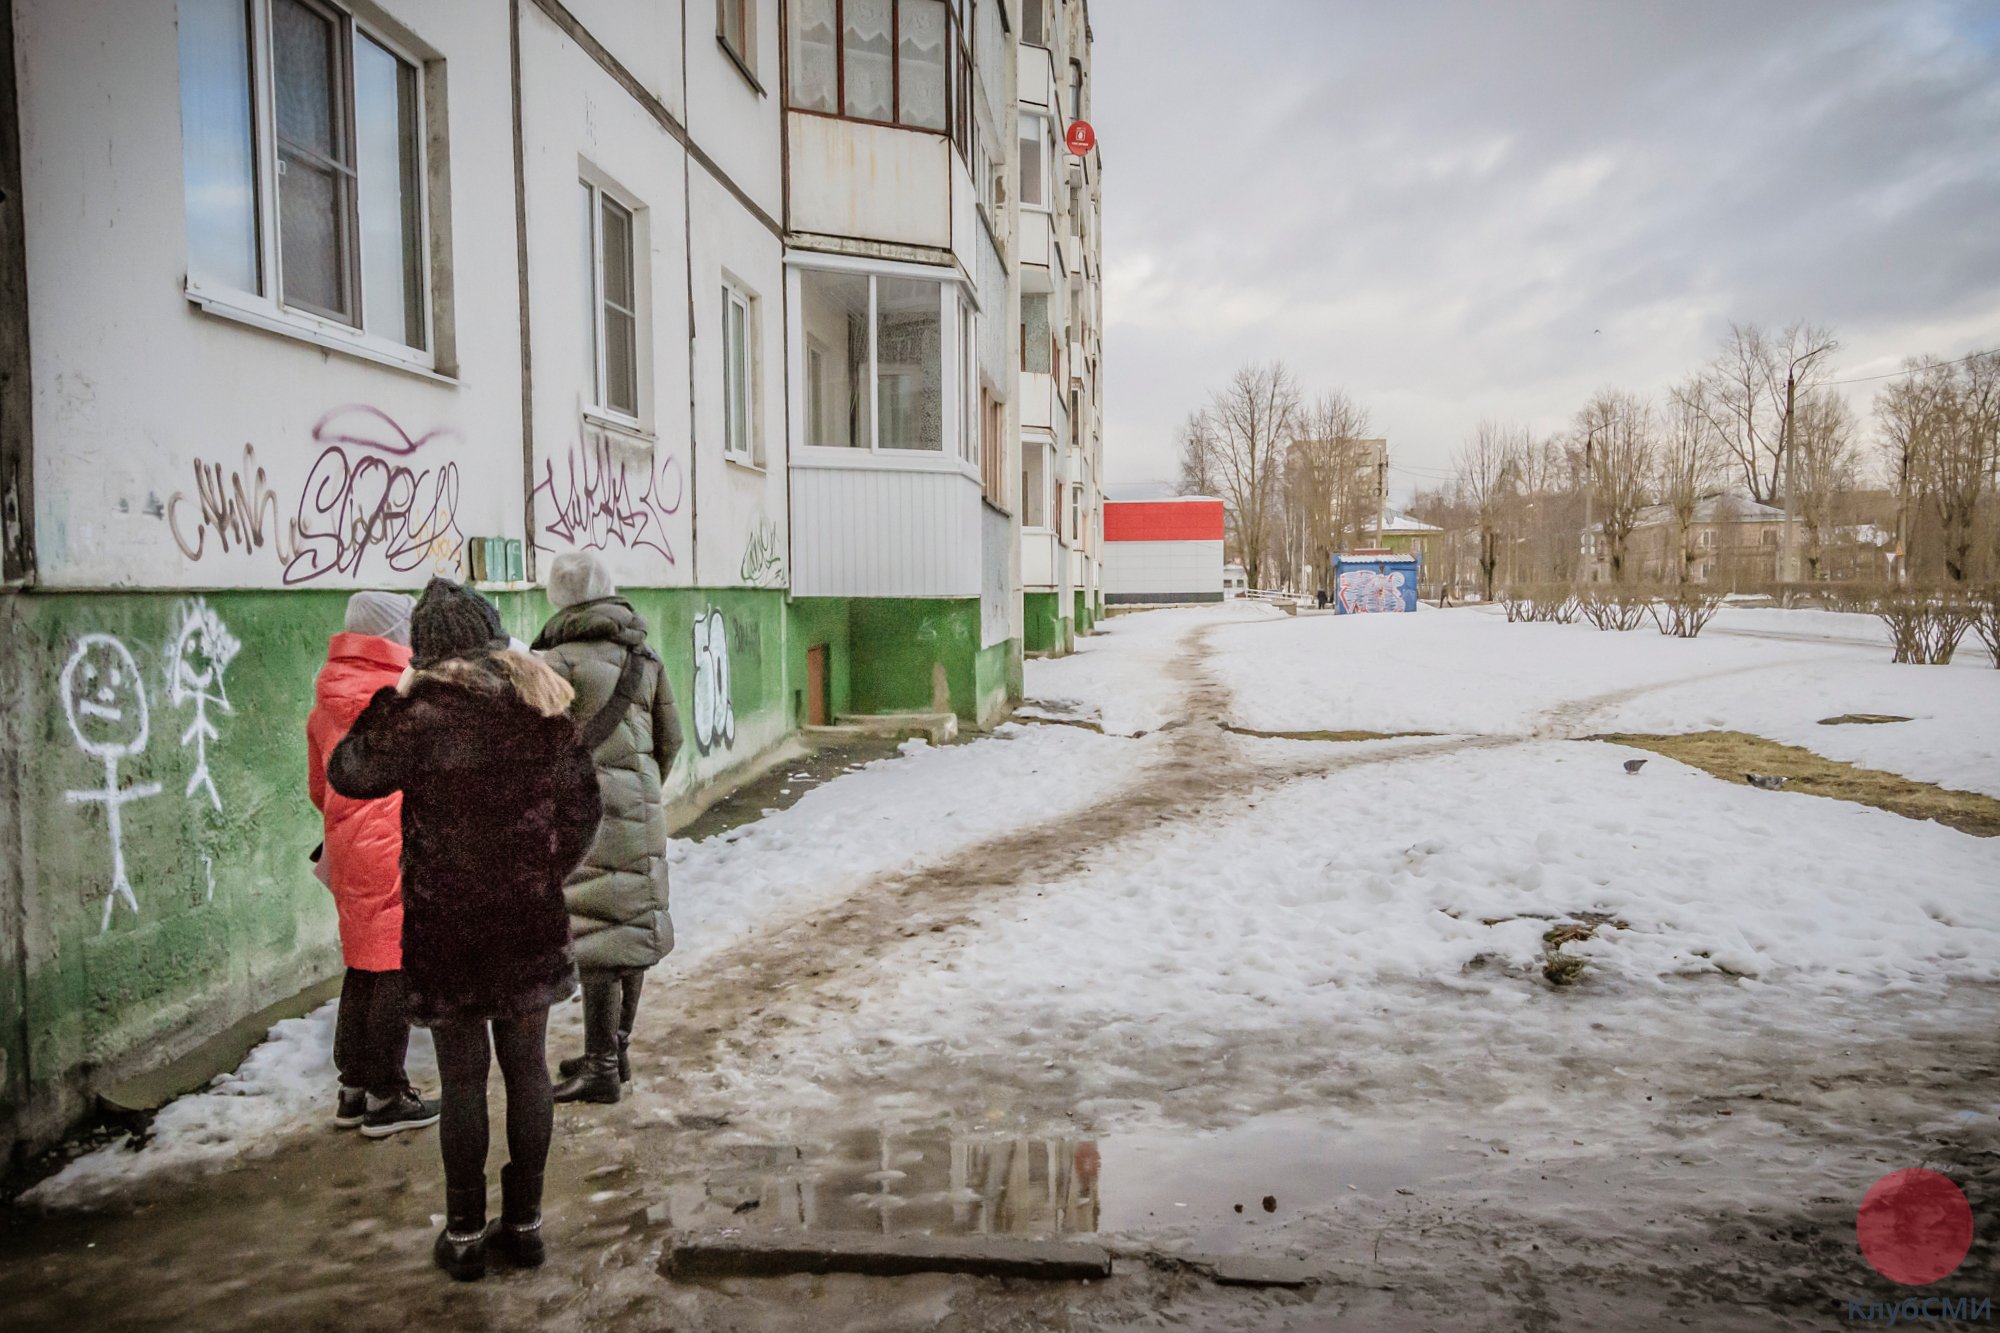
575 1064
596 1082
461 1246
518 1234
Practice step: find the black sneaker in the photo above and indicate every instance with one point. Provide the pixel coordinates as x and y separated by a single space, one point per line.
405 1111
351 1108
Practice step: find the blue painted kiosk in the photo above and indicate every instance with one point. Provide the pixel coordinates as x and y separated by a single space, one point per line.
1372 581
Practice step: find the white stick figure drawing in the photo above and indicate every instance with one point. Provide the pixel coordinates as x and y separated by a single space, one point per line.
200 651
105 703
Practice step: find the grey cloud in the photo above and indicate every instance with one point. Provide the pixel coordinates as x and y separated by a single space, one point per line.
1434 205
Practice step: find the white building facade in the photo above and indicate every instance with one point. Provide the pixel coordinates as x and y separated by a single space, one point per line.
307 296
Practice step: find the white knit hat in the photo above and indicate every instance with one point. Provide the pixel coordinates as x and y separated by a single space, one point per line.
578 576
386 615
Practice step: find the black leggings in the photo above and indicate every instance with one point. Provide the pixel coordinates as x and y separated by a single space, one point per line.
371 1036
462 1053
610 996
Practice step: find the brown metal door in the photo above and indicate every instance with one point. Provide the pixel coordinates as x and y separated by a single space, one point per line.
816 709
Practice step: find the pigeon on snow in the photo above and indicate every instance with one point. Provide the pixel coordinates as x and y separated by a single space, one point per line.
1764 781
1634 765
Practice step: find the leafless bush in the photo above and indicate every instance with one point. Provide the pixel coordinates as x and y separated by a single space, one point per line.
1541 604
1925 625
1986 620
1615 608
1683 612
1554 605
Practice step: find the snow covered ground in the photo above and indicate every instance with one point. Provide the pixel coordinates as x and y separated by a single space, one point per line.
1340 947
890 815
1121 676
1772 673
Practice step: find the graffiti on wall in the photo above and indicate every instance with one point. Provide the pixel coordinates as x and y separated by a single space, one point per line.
199 652
714 714
607 492
237 505
372 500
763 558
105 702
364 492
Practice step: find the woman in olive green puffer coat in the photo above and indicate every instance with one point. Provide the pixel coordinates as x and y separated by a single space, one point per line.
618 897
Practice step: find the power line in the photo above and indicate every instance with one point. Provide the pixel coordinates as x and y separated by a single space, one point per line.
1912 370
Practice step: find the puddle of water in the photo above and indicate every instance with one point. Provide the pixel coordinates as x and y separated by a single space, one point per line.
1195 1184
1209 1188
880 1181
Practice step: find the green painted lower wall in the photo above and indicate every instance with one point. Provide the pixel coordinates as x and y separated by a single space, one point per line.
197 728
200 738
1048 626
1087 614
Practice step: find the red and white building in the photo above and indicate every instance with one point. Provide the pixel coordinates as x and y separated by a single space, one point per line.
1163 550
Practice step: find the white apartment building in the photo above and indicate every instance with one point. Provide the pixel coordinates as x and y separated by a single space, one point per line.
1062 438
307 296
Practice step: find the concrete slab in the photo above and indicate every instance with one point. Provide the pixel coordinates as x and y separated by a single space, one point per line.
776 1253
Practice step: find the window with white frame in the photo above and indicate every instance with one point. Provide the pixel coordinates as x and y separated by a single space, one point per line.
302 158
1031 22
611 283
740 438
873 355
1075 515
1034 160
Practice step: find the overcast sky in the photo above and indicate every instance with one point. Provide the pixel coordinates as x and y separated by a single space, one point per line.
1493 207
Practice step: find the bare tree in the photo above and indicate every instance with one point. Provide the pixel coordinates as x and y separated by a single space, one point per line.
1254 417
1620 427
1330 483
1943 426
1902 418
1824 463
1689 465
1752 383
1197 456
1488 467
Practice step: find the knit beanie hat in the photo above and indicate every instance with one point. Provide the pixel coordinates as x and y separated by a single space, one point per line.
578 576
451 621
385 615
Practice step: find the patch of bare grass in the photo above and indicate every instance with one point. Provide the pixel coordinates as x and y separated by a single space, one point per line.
1730 755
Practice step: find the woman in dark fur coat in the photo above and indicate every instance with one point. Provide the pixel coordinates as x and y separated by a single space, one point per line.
500 802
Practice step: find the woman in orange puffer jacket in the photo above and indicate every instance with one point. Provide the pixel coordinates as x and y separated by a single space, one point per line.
361 864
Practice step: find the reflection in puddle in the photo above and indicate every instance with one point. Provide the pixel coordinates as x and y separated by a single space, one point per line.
880 1181
1219 1188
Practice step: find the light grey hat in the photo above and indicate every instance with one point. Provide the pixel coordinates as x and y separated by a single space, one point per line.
578 576
386 615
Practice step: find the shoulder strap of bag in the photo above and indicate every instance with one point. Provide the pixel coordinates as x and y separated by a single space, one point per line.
599 728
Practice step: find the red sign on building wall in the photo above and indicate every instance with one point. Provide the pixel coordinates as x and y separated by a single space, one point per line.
1081 137
1163 520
